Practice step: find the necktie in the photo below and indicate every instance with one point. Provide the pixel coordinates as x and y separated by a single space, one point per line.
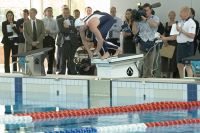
110 34
34 32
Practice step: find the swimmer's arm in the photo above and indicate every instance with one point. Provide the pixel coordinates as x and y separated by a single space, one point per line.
98 36
83 38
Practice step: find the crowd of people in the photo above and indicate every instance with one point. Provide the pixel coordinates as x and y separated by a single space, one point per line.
102 31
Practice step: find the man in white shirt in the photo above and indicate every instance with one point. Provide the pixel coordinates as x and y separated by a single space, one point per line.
187 30
51 30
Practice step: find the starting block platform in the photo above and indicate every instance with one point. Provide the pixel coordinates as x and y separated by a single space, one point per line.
122 66
33 61
194 62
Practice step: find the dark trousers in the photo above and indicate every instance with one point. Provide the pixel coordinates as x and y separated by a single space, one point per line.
7 49
58 58
67 54
196 46
50 42
129 46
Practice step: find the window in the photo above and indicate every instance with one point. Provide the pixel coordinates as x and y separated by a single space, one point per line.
14 6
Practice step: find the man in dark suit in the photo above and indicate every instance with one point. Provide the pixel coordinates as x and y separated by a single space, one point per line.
34 32
59 42
69 33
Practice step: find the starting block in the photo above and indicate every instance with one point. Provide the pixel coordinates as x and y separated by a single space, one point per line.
118 67
33 61
194 62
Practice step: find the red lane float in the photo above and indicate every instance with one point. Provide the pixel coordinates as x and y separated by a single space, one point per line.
173 123
156 106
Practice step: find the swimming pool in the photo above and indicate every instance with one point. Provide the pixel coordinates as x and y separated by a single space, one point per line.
43 94
106 121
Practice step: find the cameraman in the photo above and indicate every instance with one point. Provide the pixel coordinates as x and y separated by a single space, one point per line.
146 29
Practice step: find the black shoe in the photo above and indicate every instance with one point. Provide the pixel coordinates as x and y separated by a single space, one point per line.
49 72
61 73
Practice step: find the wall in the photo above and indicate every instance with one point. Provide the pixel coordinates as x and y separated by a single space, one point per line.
162 12
102 5
89 93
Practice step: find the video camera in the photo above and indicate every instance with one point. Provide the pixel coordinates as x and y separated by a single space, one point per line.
138 13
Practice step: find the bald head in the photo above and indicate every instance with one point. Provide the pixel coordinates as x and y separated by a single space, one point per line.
113 11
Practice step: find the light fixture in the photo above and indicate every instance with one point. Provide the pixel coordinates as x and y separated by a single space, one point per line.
139 4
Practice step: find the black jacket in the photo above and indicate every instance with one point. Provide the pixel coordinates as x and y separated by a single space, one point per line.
71 31
7 34
19 25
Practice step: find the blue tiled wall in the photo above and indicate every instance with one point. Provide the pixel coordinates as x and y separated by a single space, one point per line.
192 92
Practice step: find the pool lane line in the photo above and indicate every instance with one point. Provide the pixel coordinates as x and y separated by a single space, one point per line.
138 127
155 106
11 119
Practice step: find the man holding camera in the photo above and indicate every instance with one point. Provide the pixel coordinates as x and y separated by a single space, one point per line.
145 30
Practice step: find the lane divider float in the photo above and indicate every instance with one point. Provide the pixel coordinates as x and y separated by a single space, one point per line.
156 106
10 119
140 127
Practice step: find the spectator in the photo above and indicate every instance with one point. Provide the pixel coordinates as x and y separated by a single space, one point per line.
147 29
9 40
114 32
33 32
76 14
128 44
59 42
88 11
187 30
51 30
21 39
89 34
169 66
68 31
61 15
192 15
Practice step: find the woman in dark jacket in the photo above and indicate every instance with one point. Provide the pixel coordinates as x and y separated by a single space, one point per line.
128 44
9 40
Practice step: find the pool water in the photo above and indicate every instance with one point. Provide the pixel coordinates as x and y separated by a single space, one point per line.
100 121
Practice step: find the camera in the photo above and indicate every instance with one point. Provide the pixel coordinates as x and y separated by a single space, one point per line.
137 14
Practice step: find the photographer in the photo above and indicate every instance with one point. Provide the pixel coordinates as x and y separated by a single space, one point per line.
145 31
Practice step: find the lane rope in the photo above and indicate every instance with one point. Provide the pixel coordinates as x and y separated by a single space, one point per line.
139 127
10 119
155 106
64 114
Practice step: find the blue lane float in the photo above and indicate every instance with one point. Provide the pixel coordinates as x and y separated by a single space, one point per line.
82 130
